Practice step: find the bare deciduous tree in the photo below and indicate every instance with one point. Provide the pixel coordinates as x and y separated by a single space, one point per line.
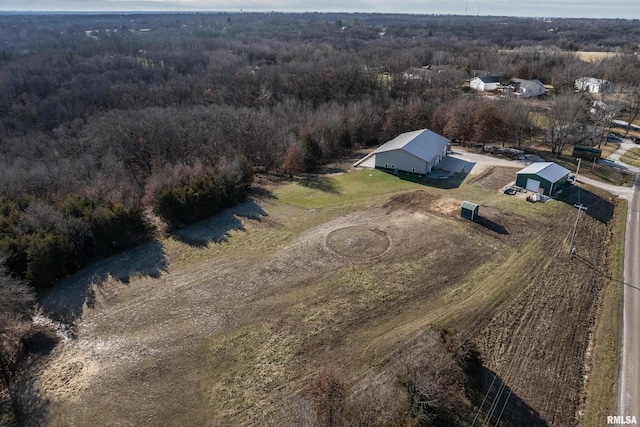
564 120
632 103
16 307
489 124
294 161
603 112
431 375
459 120
328 395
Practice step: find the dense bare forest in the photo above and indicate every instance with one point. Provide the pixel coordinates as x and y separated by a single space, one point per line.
105 119
103 116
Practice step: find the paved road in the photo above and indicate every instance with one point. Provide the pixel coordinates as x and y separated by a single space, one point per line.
624 124
629 399
617 190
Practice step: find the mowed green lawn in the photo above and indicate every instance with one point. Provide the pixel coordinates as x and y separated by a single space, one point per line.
366 185
324 191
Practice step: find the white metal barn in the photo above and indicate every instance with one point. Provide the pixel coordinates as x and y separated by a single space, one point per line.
414 152
485 84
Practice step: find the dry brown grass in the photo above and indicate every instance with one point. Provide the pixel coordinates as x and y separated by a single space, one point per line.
595 56
632 157
233 330
601 390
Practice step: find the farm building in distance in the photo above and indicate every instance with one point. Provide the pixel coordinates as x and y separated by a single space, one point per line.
542 177
527 88
485 84
415 152
592 85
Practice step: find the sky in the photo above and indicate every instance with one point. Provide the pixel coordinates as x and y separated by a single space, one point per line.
626 9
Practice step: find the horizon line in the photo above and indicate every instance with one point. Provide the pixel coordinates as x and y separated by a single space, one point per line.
241 11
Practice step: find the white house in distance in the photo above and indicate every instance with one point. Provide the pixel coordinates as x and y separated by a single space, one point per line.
592 85
485 84
414 152
528 88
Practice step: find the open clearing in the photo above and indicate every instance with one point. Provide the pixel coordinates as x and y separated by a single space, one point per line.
223 324
632 157
595 56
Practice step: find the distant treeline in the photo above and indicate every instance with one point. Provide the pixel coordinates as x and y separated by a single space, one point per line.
105 117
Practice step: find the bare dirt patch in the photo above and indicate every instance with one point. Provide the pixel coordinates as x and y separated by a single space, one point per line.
495 178
414 201
492 221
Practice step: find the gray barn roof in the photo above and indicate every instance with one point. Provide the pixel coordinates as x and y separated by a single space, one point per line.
422 143
488 79
550 171
528 84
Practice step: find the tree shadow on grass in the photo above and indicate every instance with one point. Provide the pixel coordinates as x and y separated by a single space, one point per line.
34 407
31 407
218 228
65 300
599 208
325 184
498 404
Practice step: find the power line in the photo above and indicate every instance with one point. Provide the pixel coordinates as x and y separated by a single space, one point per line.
494 404
511 366
575 226
495 374
503 406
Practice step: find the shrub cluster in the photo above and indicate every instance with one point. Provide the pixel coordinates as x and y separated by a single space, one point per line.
424 384
44 242
201 194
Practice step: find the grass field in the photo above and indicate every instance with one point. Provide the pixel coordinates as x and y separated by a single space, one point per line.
601 390
323 191
632 157
335 273
595 56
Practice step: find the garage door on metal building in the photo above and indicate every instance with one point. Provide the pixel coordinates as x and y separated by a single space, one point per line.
533 185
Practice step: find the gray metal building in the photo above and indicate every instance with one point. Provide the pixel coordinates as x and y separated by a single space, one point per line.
415 152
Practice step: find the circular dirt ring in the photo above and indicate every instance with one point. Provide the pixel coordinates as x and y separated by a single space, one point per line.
359 241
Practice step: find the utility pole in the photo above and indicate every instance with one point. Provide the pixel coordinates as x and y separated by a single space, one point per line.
581 208
575 179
